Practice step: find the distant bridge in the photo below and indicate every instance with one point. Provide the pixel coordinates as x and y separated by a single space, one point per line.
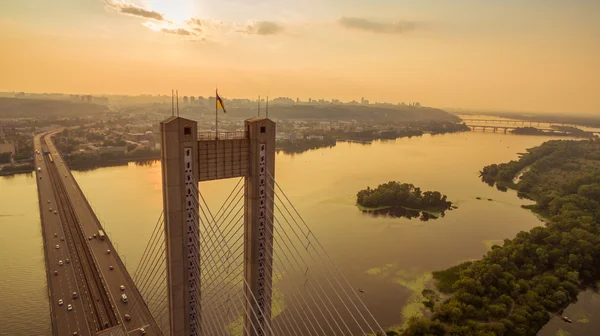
512 122
506 129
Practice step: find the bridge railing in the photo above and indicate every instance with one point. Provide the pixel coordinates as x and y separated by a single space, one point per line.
222 135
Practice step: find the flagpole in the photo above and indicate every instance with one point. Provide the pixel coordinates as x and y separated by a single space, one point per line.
216 115
259 106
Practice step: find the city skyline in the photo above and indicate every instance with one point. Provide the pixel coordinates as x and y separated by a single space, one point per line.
534 56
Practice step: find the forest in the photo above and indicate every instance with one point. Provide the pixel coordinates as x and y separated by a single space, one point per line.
515 288
304 144
396 194
97 159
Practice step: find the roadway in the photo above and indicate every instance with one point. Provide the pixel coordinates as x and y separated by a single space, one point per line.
112 279
63 285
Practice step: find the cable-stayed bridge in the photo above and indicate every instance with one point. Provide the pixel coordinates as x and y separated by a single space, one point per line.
250 267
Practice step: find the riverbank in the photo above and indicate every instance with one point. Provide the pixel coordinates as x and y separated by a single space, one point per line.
92 160
9 170
516 287
328 139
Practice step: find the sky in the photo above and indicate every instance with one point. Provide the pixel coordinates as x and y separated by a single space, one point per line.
512 55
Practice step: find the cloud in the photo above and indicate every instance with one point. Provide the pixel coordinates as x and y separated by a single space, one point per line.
263 28
398 27
135 10
177 31
194 22
192 29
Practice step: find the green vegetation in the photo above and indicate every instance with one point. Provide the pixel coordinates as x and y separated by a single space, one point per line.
362 113
27 108
97 159
369 135
560 131
513 289
5 157
441 128
327 139
304 144
14 169
395 194
446 278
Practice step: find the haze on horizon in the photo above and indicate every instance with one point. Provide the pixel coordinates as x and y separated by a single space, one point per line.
512 55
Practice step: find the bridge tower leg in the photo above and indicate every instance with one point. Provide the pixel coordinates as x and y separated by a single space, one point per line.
258 225
179 157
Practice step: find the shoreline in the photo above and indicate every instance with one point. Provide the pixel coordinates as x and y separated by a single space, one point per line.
104 164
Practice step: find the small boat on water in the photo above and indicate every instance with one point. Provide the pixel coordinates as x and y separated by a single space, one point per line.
360 290
566 319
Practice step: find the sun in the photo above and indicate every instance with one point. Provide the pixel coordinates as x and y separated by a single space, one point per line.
176 11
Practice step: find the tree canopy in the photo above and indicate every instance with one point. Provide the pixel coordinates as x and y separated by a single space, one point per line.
514 288
396 194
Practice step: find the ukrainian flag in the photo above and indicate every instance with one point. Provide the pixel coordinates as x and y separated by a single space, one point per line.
220 103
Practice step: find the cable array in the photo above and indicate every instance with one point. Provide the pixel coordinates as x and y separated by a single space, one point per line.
310 295
317 293
150 277
225 300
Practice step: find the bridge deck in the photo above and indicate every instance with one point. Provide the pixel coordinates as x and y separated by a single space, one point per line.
81 318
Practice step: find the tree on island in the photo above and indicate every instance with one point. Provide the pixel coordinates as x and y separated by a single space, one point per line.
395 194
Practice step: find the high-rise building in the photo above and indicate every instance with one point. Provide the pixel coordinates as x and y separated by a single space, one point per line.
192 100
185 100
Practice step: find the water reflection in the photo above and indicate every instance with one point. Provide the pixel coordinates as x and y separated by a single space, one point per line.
143 163
400 212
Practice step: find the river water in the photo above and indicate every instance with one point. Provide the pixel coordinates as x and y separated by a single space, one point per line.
389 258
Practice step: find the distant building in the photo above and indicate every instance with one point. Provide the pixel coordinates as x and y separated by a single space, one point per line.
212 101
192 100
100 100
185 100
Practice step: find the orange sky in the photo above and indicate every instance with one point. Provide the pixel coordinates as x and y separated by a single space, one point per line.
514 55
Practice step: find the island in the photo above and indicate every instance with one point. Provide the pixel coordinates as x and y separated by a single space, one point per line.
402 200
567 131
515 288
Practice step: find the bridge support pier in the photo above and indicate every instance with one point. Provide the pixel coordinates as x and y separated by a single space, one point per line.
179 157
258 225
186 160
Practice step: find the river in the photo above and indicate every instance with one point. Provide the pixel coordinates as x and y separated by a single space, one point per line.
390 259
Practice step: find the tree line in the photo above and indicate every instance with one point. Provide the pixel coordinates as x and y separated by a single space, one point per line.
514 288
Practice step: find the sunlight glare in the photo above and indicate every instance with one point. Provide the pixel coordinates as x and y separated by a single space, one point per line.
177 11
